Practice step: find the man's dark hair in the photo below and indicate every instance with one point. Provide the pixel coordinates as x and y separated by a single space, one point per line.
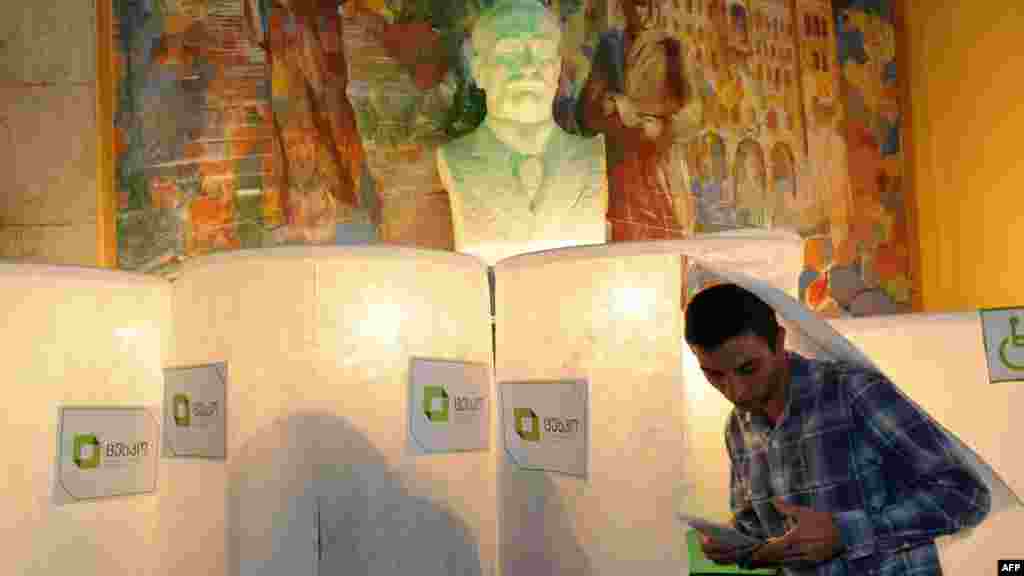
723 311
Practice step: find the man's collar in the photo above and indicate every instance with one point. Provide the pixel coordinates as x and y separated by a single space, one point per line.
800 378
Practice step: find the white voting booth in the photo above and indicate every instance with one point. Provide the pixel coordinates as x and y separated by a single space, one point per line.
318 473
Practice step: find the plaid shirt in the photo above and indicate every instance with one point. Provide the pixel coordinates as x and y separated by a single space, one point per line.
851 443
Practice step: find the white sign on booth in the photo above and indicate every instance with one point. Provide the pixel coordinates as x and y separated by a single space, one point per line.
194 419
1003 330
104 452
448 406
546 425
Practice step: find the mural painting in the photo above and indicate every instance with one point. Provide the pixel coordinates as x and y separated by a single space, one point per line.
192 131
255 123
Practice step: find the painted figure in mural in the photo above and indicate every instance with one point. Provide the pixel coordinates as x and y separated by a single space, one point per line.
751 198
637 85
518 182
425 37
710 184
318 154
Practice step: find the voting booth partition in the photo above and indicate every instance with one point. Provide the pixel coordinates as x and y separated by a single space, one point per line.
320 474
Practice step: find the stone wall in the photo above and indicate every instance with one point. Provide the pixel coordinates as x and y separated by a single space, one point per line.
48 131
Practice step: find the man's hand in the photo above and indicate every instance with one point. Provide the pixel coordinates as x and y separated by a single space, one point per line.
720 553
813 538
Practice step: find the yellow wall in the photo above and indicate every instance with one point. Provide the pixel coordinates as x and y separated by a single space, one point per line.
966 76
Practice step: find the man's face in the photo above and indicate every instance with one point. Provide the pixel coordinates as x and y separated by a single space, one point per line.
746 371
520 72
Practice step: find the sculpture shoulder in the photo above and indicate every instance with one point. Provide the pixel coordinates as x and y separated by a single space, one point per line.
467 157
579 147
462 146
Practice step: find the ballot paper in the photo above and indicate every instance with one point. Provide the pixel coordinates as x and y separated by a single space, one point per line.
720 533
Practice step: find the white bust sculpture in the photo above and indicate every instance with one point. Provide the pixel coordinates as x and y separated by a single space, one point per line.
519 183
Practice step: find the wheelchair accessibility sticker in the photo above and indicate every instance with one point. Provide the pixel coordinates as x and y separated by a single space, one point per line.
1003 330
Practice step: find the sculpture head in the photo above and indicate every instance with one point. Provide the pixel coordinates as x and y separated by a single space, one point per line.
517 60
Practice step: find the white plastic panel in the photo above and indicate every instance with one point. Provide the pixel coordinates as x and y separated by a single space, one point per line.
318 342
614 320
75 336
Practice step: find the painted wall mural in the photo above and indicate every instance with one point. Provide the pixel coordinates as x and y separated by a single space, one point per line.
255 123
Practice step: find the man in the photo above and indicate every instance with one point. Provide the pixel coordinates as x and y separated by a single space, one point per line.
519 182
831 465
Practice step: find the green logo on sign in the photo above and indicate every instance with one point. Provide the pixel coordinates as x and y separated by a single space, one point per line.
182 410
527 424
86 451
435 403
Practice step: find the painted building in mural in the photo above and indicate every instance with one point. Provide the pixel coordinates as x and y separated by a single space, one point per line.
770 152
801 131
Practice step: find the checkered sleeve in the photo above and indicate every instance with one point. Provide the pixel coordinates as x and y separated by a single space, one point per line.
744 519
934 491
